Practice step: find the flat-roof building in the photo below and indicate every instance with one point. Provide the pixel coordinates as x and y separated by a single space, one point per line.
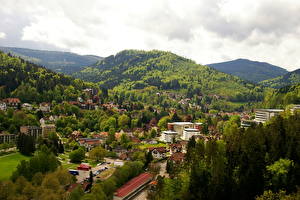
263 115
168 136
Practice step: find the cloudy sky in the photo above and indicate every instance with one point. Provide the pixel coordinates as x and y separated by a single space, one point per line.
206 31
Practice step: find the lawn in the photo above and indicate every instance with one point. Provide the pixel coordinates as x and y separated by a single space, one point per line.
145 146
8 164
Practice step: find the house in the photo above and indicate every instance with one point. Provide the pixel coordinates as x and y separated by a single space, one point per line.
27 106
7 138
12 102
176 147
84 167
158 152
48 120
89 143
33 131
177 157
45 107
132 187
263 115
168 136
48 128
75 135
3 106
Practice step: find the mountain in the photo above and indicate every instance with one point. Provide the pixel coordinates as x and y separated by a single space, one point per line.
57 61
249 70
290 78
33 83
163 72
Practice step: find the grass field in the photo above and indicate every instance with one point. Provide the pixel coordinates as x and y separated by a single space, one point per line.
8 164
145 146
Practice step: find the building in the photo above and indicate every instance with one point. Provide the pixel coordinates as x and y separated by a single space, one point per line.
7 138
180 126
132 187
263 115
169 136
190 132
48 128
12 102
158 152
27 106
177 157
176 147
3 106
45 107
184 130
247 123
84 167
33 131
295 108
89 143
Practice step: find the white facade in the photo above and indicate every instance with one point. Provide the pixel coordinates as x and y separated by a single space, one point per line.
169 136
263 115
3 106
189 132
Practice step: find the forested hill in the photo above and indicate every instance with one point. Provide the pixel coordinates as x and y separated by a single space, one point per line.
64 62
282 97
249 70
139 70
32 83
290 78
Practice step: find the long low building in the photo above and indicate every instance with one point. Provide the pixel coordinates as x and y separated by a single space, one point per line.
132 187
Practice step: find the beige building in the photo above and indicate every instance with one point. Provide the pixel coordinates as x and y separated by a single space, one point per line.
33 131
48 128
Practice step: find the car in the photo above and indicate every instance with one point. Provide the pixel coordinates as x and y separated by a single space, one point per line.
99 164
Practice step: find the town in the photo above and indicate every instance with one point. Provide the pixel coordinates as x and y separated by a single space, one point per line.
95 156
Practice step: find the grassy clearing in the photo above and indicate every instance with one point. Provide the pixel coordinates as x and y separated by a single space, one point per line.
145 146
8 164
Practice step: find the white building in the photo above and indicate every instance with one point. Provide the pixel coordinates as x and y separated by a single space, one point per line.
189 132
168 136
27 106
3 106
263 115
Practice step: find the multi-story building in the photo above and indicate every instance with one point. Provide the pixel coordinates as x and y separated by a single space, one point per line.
190 132
181 130
169 136
33 131
48 128
7 138
263 115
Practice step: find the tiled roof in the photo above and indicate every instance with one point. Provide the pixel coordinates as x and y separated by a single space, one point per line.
133 184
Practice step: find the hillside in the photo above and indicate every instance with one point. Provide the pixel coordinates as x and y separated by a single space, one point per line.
279 98
134 70
64 62
249 70
32 83
290 78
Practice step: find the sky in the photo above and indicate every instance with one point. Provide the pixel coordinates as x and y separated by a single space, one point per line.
207 31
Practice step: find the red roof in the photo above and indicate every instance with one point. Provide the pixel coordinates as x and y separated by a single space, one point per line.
12 100
159 149
177 157
84 166
133 184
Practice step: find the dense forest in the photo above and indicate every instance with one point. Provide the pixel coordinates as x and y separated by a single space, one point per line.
282 97
290 78
241 166
32 83
157 71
